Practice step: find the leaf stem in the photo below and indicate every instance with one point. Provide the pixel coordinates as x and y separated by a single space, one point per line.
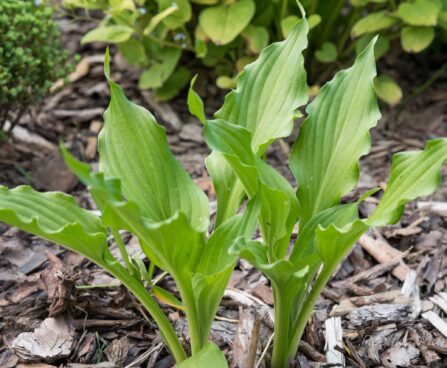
282 328
122 249
166 330
307 310
188 299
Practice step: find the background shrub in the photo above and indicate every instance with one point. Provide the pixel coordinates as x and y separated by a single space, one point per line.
31 56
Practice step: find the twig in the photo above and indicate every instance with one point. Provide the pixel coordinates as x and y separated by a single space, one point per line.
264 352
251 359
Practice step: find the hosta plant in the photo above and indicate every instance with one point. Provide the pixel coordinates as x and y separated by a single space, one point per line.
141 188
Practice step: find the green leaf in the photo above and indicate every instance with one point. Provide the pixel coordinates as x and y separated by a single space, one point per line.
413 174
338 124
270 90
216 264
416 39
340 216
387 90
373 23
166 297
257 38
134 148
268 93
112 33
180 16
223 23
313 20
173 85
161 69
328 53
419 12
209 356
333 243
133 51
288 23
56 217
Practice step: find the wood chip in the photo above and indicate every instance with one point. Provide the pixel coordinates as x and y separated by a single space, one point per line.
334 342
52 340
379 314
382 252
440 208
246 339
436 321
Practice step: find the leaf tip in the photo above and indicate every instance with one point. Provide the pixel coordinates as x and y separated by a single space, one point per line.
107 63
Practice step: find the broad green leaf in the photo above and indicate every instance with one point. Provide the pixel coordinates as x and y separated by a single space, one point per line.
223 23
57 217
161 69
112 33
133 51
270 90
180 16
257 38
388 90
333 243
416 39
173 85
419 12
328 53
279 209
209 356
340 216
268 93
134 148
413 174
216 264
338 124
372 23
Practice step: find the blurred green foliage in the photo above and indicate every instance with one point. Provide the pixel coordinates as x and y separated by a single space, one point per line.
228 34
31 56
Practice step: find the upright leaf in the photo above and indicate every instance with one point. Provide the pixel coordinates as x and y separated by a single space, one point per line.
267 95
134 148
334 136
270 90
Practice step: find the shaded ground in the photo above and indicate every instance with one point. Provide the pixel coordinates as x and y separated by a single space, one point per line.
102 323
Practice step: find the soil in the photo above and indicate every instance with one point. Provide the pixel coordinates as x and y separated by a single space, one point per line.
386 295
